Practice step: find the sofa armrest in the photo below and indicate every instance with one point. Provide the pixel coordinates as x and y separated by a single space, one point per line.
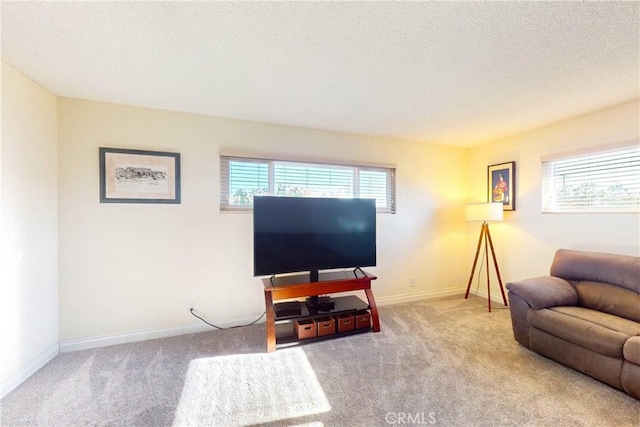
545 291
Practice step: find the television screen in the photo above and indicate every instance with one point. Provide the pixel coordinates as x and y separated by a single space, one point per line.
294 234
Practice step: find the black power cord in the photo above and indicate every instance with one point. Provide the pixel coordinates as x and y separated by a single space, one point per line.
231 327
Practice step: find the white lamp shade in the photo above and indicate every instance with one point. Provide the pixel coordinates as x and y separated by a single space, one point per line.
484 212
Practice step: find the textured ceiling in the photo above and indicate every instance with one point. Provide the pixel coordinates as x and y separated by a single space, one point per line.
457 73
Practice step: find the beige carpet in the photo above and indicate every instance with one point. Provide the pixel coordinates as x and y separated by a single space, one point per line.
250 389
436 362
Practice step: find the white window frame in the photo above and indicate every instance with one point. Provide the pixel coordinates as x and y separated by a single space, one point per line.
603 179
226 184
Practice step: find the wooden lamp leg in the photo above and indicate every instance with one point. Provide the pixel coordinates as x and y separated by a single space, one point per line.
475 261
486 258
495 264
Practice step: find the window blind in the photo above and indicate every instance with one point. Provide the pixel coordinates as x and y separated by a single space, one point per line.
241 178
312 180
601 181
380 185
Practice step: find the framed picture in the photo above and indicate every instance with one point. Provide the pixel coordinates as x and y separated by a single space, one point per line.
136 176
501 185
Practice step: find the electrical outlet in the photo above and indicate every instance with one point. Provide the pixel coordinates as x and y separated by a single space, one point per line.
412 282
191 305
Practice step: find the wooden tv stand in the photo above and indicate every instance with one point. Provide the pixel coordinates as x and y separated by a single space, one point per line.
298 286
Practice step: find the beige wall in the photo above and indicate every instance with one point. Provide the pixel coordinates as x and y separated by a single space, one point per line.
124 268
29 226
527 239
134 267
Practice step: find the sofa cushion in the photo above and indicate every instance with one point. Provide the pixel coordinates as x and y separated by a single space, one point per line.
546 291
609 298
604 368
600 332
621 270
631 350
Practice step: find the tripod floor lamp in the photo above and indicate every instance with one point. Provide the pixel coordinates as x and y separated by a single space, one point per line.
485 212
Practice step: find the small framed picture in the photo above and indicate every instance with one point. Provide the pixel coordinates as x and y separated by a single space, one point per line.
136 176
501 185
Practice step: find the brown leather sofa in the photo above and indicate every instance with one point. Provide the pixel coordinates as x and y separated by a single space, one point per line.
585 315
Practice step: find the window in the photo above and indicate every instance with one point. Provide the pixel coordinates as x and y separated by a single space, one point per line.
241 178
601 181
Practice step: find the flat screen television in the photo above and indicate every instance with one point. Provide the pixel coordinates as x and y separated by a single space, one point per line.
298 234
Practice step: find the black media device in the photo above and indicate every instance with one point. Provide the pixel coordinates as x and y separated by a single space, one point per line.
288 309
320 303
298 234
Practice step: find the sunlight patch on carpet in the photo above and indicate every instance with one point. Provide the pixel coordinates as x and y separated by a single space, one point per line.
250 389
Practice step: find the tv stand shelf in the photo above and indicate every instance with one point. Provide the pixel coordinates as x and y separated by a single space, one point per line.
279 329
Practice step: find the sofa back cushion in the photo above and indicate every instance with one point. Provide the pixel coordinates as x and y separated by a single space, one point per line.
620 270
608 298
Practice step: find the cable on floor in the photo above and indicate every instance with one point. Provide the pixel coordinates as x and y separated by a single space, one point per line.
230 327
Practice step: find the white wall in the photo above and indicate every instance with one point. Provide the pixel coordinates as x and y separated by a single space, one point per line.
134 267
28 227
527 239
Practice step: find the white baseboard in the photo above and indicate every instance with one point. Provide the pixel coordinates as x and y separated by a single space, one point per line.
134 336
398 299
494 298
31 368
